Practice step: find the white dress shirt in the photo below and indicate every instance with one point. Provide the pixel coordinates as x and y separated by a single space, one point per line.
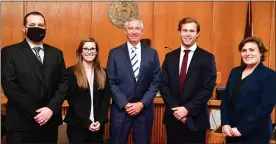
90 77
41 52
190 55
137 51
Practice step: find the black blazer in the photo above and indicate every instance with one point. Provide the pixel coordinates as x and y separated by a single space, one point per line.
196 91
79 100
28 87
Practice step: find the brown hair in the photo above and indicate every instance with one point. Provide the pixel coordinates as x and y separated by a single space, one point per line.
188 20
32 13
259 43
79 68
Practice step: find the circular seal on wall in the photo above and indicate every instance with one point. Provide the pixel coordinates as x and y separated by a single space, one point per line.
121 11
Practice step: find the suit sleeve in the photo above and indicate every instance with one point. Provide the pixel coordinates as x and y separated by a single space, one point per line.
57 100
203 96
24 103
105 103
262 111
225 102
165 89
118 97
74 101
154 86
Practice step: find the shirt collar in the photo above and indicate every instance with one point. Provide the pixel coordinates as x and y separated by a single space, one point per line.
129 45
192 48
33 46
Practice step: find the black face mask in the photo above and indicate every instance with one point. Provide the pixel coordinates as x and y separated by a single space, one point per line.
36 34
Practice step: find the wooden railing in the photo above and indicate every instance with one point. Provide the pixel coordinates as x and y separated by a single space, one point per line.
158 131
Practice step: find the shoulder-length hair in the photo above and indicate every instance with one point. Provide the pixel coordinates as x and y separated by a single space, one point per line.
79 70
259 43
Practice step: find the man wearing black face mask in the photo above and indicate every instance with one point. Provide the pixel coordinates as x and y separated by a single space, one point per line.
34 81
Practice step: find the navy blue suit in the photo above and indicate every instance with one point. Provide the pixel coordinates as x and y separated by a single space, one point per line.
251 115
125 89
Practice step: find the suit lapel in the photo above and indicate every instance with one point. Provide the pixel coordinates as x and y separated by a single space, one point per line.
95 89
47 64
128 65
193 63
95 82
32 59
250 77
236 76
142 63
176 64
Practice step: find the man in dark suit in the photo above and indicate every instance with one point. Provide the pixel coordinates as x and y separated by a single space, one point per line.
34 80
187 82
133 71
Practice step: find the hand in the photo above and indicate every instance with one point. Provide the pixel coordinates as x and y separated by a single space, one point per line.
135 109
180 112
128 105
184 119
138 107
95 126
235 132
43 116
227 130
130 109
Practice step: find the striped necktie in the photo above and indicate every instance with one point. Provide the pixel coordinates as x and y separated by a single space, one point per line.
37 49
134 62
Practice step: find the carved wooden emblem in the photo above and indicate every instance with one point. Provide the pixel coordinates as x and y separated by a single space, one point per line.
120 11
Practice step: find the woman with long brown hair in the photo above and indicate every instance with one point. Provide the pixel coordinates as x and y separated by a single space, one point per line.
88 96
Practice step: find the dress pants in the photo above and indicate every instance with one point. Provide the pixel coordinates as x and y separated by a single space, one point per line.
179 133
77 135
40 136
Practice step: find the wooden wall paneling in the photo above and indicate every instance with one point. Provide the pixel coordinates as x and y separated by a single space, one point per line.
11 23
67 24
228 31
264 28
107 34
162 21
262 24
166 18
158 131
273 116
146 14
272 53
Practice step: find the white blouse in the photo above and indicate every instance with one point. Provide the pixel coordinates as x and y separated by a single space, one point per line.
90 77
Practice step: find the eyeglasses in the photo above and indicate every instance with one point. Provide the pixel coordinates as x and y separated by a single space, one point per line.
86 50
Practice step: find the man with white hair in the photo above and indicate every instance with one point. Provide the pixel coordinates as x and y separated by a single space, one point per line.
133 71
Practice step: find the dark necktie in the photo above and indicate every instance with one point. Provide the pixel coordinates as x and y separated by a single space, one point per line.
183 68
37 49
